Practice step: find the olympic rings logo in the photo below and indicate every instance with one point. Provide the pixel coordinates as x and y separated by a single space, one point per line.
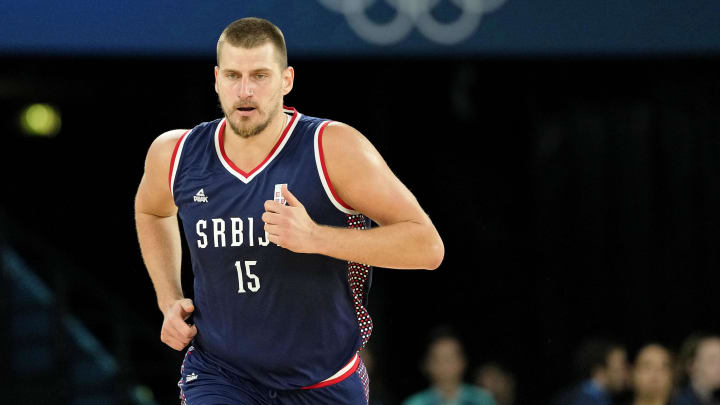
410 14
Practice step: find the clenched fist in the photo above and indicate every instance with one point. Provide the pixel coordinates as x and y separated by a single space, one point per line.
175 332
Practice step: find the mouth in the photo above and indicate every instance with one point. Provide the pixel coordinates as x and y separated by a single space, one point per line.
245 111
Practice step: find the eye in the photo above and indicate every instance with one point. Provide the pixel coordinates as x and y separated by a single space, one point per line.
261 75
231 75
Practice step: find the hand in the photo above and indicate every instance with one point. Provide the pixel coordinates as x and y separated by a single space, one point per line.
289 226
175 332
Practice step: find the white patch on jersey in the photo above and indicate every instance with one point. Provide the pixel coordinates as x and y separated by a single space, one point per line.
278 194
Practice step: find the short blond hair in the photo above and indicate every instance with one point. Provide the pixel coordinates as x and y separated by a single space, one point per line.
251 32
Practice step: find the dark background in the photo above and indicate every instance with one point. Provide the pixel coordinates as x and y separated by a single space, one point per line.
575 198
567 152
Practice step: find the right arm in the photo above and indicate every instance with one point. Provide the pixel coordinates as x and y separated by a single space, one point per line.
159 237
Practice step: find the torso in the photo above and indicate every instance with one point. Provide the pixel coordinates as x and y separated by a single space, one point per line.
283 319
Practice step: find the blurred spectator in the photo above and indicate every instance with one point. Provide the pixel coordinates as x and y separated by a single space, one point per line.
700 360
652 376
444 364
604 369
498 381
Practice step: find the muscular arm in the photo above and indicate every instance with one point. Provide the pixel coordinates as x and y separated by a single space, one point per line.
159 237
156 222
405 239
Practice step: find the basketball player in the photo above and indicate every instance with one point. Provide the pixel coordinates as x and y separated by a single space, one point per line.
275 207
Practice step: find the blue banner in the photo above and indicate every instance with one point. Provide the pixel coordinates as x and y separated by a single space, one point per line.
351 28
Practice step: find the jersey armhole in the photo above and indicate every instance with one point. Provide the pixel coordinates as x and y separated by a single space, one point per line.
323 173
174 161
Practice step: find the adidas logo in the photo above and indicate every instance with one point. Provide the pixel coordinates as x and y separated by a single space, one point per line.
191 377
200 196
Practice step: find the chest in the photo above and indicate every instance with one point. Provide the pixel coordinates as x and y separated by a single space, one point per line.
215 192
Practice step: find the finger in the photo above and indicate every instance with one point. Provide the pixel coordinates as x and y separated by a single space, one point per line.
181 329
175 337
176 344
274 239
289 197
272 230
173 342
271 218
273 206
170 336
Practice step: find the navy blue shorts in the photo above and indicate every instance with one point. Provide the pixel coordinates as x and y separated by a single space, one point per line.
202 383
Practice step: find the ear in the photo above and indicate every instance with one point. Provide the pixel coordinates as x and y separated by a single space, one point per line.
288 77
217 69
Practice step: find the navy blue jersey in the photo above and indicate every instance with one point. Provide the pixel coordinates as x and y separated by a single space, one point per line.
285 320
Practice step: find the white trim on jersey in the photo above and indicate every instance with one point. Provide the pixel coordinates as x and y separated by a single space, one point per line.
322 174
294 120
343 370
176 162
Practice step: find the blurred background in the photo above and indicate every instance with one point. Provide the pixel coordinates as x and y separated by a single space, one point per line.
568 152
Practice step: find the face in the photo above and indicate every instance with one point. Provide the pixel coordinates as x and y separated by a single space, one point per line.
652 373
705 368
445 362
250 84
499 383
616 371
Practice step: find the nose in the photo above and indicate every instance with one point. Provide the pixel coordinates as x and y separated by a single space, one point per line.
247 88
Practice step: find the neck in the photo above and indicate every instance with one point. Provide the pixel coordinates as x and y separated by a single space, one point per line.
449 390
703 392
650 401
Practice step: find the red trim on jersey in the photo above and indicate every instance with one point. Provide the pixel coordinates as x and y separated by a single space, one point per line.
336 380
324 169
172 160
277 144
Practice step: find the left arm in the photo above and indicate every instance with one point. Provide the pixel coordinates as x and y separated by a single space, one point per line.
405 239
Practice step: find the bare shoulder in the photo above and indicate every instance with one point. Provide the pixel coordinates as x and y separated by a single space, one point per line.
172 135
350 159
164 145
342 136
159 156
153 196
363 180
347 150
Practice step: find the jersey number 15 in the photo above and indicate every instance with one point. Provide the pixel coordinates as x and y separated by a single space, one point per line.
254 283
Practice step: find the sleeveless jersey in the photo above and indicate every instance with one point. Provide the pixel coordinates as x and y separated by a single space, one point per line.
286 320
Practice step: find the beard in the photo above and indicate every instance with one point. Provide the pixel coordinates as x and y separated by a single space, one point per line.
241 127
